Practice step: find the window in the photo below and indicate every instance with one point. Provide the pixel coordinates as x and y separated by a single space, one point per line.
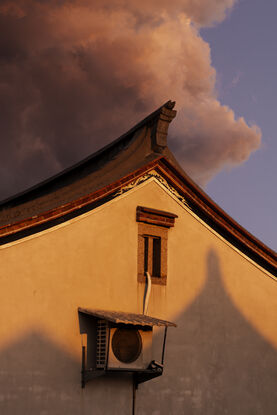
152 255
153 226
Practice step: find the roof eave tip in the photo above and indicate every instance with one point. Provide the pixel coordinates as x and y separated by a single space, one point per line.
170 104
160 128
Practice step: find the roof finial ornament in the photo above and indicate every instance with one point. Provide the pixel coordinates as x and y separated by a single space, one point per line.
170 104
160 128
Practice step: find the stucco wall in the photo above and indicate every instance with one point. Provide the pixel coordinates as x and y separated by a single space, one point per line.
222 358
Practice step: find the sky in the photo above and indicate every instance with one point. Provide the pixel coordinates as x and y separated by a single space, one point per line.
76 74
243 50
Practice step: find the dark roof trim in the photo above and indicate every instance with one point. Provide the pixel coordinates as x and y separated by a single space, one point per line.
197 199
120 317
76 205
219 220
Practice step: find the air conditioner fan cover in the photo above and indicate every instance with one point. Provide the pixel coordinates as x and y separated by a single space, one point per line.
126 345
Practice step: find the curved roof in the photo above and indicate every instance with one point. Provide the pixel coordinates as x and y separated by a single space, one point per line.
97 178
128 153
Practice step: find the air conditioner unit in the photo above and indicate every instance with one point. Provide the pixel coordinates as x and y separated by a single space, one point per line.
117 341
124 347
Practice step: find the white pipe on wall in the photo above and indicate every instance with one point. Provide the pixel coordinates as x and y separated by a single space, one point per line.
148 292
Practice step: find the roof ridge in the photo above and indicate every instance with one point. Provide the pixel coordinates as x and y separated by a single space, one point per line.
163 116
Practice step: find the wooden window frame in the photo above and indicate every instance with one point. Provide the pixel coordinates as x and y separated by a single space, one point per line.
153 223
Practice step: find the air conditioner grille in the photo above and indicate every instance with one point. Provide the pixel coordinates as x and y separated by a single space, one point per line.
101 349
126 345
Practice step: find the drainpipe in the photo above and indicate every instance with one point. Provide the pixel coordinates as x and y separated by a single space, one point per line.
147 292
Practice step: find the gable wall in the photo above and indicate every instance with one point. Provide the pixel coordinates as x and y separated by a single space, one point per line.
224 305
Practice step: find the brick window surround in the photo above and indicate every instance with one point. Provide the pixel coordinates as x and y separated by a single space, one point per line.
153 226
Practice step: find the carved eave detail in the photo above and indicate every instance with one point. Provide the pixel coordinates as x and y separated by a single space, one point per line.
160 127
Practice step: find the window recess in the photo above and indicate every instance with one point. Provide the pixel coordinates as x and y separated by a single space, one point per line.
152 255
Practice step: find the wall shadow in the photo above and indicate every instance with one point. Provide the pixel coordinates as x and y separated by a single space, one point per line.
216 362
40 378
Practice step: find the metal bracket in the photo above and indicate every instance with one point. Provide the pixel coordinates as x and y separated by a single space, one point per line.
145 376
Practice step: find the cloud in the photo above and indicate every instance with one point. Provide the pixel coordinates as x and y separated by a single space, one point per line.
213 140
76 74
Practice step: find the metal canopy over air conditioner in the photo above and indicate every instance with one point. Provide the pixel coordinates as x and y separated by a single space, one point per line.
118 341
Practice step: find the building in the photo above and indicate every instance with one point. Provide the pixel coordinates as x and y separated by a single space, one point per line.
84 241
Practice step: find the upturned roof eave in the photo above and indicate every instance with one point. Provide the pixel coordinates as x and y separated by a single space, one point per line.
146 148
88 160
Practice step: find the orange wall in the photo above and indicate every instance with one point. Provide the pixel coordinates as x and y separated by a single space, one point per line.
225 307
